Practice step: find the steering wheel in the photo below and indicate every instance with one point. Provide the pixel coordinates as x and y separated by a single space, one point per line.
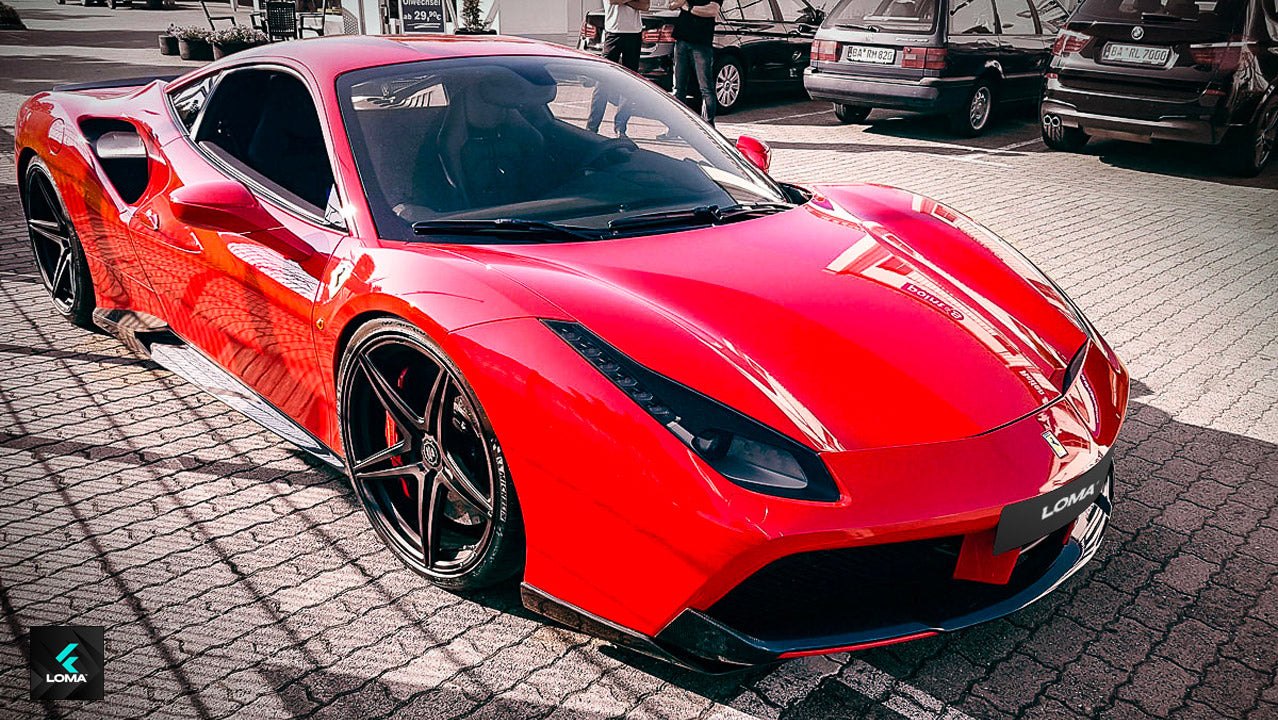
621 144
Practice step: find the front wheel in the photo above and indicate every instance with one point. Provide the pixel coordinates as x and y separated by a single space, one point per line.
729 85
849 114
59 256
974 117
1251 149
424 461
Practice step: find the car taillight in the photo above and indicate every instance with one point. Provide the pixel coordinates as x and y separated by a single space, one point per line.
923 58
1218 56
1068 42
589 31
663 34
825 50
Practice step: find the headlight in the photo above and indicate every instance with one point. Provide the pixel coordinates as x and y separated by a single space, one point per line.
741 449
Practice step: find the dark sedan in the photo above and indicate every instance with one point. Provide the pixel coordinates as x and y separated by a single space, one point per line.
758 44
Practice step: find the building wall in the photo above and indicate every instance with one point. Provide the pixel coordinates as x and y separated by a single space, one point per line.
551 20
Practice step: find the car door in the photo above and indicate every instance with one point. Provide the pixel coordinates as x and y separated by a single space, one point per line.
241 279
1021 50
972 42
763 43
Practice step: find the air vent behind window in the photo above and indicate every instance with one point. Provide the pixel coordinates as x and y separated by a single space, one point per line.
119 148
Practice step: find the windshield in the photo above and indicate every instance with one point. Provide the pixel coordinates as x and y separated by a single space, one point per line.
533 138
881 15
1221 16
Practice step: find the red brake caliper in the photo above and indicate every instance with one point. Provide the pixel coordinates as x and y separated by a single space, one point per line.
392 435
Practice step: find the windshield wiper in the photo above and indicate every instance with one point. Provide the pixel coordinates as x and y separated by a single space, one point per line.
854 26
1160 17
534 230
703 214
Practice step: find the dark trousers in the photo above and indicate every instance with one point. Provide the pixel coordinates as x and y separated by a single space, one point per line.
695 63
620 48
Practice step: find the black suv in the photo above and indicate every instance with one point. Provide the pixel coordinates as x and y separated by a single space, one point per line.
958 57
757 43
1197 71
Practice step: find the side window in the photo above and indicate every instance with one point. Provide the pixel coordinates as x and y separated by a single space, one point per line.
1052 14
188 101
972 17
1015 17
264 123
759 10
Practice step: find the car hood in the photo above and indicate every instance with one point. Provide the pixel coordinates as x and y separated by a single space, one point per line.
869 317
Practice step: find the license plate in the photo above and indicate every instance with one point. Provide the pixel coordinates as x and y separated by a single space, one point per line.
1029 520
864 54
1135 54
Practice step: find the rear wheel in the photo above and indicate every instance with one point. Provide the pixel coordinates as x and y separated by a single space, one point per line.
1251 150
849 114
1058 137
974 117
58 254
424 461
729 85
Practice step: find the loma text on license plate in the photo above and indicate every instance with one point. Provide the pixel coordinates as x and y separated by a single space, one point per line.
1136 54
1029 520
865 54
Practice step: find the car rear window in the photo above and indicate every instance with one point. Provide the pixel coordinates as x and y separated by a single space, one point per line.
1222 15
877 15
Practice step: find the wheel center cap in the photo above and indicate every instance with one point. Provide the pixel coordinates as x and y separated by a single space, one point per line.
430 452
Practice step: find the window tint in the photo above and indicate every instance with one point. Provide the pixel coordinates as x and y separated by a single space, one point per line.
971 17
1015 17
886 15
1217 15
1052 15
264 123
188 102
792 10
747 10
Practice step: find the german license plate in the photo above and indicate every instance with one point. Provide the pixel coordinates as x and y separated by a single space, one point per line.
866 54
1029 520
1135 54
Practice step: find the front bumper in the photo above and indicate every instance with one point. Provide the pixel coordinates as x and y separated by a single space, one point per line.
925 95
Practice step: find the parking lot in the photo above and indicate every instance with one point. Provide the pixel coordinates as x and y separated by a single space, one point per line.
235 577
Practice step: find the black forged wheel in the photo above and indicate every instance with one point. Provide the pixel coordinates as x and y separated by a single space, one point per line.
974 117
58 254
849 114
1250 149
424 461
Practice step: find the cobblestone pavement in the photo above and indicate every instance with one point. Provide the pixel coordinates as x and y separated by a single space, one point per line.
237 578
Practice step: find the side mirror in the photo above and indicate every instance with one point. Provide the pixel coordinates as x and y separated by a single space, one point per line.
756 151
220 204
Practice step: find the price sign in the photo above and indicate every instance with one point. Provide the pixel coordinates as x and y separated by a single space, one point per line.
422 16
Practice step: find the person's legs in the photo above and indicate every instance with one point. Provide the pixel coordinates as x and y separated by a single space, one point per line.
683 72
613 45
630 44
703 59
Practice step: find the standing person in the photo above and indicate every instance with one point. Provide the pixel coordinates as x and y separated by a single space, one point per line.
694 52
623 36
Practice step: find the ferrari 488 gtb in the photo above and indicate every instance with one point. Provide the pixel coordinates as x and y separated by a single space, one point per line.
714 417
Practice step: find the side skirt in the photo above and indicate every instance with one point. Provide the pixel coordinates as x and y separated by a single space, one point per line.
149 335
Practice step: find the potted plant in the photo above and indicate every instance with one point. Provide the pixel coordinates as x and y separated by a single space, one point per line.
193 42
472 17
235 39
169 41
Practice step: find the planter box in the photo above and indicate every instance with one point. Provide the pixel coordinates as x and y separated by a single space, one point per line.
221 50
168 45
468 31
195 49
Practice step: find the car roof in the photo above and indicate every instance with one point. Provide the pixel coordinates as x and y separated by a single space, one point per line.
328 57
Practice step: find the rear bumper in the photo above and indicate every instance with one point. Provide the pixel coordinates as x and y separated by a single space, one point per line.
926 95
1136 118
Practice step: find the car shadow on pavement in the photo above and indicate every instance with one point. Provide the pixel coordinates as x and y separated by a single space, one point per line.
1185 160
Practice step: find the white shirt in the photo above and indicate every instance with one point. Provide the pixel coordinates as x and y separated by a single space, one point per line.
621 19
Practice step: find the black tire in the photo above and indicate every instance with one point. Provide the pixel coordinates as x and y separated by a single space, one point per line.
849 114
729 85
976 114
1249 150
1059 137
59 256
473 535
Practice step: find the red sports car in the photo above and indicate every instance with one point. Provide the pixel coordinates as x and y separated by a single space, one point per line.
553 326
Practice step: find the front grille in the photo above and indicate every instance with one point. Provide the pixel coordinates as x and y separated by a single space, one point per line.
853 590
